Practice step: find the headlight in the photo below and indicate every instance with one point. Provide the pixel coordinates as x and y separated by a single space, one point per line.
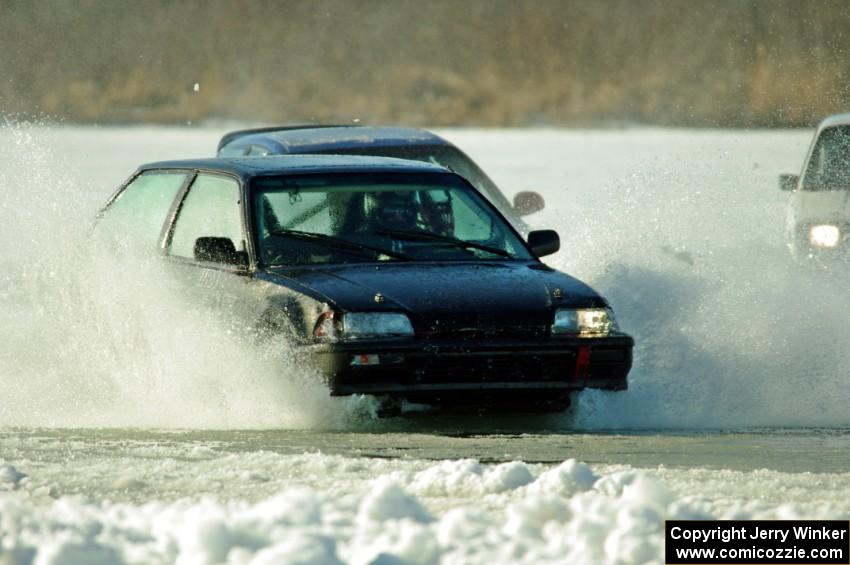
584 322
825 235
375 324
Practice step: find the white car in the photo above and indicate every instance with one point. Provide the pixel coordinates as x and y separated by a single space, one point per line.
818 220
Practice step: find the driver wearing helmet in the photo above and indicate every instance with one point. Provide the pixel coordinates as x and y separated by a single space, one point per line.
410 211
393 211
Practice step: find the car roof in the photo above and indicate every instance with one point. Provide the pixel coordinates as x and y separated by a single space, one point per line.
302 139
247 167
835 120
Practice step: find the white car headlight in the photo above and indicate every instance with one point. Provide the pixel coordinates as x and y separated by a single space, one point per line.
584 322
825 235
375 324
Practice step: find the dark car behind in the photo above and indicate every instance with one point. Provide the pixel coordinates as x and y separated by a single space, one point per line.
386 141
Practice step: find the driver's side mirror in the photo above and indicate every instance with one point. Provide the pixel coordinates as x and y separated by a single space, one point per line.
788 182
544 242
527 202
219 250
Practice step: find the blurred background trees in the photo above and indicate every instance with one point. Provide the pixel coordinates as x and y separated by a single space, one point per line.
723 63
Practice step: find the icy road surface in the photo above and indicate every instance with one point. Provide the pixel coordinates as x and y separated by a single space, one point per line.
136 428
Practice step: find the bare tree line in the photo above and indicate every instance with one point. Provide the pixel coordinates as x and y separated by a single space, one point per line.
438 62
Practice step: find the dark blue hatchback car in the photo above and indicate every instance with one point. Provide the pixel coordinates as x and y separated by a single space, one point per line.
402 142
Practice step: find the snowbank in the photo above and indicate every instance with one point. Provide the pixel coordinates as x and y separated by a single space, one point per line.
454 511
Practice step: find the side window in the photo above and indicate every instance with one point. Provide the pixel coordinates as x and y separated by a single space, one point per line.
211 209
815 166
137 215
257 151
232 151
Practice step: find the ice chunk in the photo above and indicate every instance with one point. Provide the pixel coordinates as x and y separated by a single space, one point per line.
10 477
566 479
388 501
300 549
69 552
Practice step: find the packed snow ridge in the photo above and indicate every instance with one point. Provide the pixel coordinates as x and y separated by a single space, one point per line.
454 511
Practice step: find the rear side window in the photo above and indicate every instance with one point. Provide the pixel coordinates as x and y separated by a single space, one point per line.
232 151
257 151
137 215
211 209
445 156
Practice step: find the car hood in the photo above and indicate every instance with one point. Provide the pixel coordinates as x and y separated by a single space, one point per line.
450 297
822 206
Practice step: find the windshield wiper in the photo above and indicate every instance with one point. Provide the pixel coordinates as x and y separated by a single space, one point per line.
332 241
415 234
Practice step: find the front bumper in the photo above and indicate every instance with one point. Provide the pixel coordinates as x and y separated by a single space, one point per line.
498 370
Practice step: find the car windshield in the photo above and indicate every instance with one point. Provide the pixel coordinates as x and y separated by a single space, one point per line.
357 217
829 166
445 156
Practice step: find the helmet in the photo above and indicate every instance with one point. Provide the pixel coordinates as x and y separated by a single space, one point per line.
392 210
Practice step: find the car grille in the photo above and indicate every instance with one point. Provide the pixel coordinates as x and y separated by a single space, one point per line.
482 368
484 331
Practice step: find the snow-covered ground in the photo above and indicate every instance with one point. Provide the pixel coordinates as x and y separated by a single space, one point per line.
76 498
681 230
